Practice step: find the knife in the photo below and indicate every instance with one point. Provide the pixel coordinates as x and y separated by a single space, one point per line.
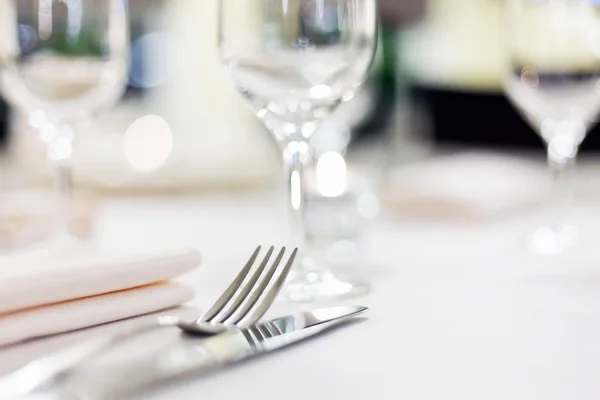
202 356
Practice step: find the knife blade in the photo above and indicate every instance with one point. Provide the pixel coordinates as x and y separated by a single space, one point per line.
207 355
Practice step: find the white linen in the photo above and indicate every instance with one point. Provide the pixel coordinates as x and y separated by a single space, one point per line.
90 311
466 185
457 311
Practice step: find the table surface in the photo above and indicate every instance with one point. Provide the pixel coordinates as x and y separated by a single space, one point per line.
457 309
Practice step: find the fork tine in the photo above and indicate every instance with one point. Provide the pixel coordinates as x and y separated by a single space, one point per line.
266 302
245 290
230 291
238 316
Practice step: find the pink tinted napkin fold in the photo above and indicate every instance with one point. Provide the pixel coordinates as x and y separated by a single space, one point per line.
53 291
44 277
465 186
90 311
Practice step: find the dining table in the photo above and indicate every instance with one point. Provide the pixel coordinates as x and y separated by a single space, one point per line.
458 309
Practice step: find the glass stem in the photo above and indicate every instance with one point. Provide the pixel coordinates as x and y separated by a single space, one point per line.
296 157
60 155
562 155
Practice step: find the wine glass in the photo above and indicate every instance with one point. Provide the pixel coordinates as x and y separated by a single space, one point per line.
61 62
295 61
553 78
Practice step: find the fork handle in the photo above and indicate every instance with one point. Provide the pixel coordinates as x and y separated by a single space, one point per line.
45 369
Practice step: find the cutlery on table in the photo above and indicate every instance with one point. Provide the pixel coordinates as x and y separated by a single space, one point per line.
195 357
242 304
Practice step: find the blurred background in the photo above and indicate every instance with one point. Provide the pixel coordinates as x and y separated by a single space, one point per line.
435 84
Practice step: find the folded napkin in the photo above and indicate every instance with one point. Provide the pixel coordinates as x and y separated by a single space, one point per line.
52 291
90 311
467 185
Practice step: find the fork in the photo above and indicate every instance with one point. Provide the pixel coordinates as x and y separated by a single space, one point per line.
234 311
239 306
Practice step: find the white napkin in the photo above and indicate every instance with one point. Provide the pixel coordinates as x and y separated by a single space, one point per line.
467 185
38 278
50 291
90 311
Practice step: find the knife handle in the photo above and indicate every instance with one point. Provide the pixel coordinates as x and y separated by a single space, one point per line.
124 380
41 371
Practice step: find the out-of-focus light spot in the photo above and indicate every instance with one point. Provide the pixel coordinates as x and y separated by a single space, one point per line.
308 129
276 108
48 132
261 113
60 149
312 277
563 139
143 75
289 128
298 147
562 148
320 91
530 78
368 205
331 174
547 241
37 119
148 143
548 128
349 95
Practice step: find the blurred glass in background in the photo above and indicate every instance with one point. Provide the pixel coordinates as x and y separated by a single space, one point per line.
175 78
180 126
453 59
63 63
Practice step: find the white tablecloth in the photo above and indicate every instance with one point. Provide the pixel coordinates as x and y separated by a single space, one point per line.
458 311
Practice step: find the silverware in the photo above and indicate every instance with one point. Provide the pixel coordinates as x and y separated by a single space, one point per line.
238 306
196 357
234 310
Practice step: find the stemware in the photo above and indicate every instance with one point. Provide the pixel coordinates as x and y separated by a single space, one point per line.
553 77
61 62
296 61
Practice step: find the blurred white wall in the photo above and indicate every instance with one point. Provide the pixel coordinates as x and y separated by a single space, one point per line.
457 45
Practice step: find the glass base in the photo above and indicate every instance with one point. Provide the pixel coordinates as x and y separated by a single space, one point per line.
55 242
549 241
321 285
